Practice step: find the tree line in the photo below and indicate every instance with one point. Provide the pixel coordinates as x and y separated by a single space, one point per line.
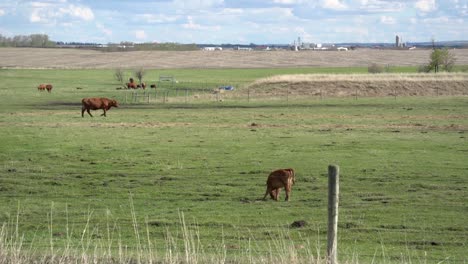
33 40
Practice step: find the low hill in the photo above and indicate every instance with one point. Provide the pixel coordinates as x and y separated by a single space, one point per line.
371 85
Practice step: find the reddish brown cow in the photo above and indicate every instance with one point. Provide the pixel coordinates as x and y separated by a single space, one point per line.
283 178
131 85
95 103
41 87
143 85
49 87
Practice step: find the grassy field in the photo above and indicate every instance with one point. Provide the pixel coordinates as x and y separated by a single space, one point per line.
178 179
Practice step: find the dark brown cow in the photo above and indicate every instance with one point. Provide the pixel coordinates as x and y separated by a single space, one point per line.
143 85
95 103
283 178
153 86
49 87
41 87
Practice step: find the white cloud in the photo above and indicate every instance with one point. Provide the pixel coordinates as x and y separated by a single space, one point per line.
159 18
333 4
40 4
437 20
45 12
103 29
84 13
2 12
425 5
387 20
381 6
140 34
196 4
190 24
36 16
289 2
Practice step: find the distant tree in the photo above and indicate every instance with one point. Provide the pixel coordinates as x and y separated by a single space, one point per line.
34 40
441 59
119 75
140 73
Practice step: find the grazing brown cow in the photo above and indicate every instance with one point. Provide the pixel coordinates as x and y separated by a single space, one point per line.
143 85
41 87
49 87
277 180
95 103
153 86
131 85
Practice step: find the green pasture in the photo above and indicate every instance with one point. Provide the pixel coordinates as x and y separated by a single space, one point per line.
130 177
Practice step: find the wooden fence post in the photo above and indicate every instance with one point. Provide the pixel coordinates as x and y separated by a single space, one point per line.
333 193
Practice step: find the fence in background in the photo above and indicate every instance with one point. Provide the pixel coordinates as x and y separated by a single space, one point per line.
192 92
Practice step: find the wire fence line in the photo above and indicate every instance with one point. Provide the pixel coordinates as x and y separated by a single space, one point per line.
192 92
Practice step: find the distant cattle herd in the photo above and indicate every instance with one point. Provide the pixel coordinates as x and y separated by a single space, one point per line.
133 85
43 87
278 179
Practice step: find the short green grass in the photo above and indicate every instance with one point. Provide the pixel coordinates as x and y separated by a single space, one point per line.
403 169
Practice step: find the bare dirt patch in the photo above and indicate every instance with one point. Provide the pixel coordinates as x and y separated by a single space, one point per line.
91 59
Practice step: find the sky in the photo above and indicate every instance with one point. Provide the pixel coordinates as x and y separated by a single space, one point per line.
237 22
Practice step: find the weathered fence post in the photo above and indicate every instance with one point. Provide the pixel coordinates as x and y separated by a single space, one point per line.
333 193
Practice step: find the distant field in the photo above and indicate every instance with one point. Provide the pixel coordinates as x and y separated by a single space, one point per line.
183 180
77 59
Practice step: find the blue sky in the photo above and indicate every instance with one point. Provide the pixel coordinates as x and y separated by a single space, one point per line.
242 21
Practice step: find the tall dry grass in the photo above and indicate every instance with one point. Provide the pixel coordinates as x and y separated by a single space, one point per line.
416 77
363 85
111 249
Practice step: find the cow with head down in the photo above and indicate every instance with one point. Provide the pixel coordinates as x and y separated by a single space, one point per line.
131 85
95 103
282 178
41 87
49 87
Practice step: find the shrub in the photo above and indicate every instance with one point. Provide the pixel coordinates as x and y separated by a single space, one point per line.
375 68
424 68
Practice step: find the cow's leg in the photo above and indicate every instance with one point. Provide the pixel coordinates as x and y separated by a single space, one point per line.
104 114
89 112
273 193
288 191
82 111
266 193
277 192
